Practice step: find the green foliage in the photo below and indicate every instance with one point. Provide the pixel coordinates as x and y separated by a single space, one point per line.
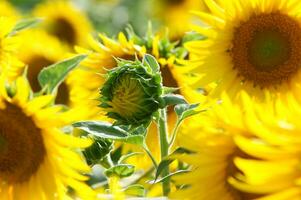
135 190
98 150
52 76
121 170
106 130
24 24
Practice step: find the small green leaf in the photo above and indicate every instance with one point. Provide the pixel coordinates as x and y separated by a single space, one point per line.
152 63
162 165
168 176
52 76
121 170
167 161
24 24
184 111
135 190
173 99
102 129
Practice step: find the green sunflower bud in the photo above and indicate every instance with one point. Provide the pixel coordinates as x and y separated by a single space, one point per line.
132 91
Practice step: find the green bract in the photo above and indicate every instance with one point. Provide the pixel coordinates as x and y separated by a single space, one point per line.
132 91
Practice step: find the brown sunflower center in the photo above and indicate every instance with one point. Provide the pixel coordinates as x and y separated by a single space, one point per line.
62 94
266 49
35 64
22 149
64 30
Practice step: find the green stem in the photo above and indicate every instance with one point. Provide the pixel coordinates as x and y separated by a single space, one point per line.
163 134
150 155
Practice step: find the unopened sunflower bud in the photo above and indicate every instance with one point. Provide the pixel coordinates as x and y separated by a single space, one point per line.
131 93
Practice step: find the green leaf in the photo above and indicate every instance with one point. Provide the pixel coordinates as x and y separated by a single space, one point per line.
152 63
173 99
52 76
121 170
102 129
162 165
98 150
108 131
184 111
168 176
24 24
167 161
135 190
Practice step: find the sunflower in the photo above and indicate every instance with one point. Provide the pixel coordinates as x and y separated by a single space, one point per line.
64 21
175 14
251 45
9 64
38 160
101 57
7 10
241 152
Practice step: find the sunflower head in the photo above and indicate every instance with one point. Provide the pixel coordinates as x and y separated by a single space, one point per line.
131 93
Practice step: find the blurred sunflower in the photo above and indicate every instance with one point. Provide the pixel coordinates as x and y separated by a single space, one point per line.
38 160
242 152
176 15
101 56
251 45
63 20
9 64
7 10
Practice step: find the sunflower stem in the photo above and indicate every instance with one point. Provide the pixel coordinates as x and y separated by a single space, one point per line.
163 135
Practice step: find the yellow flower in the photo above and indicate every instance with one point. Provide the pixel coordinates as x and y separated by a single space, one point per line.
251 45
242 152
65 21
7 10
9 64
176 15
38 50
38 160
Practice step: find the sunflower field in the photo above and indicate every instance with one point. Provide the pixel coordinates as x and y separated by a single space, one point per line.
150 99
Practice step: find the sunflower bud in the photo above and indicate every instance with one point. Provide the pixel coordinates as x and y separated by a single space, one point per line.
132 92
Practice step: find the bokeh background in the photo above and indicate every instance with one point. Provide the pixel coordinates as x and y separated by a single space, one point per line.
112 16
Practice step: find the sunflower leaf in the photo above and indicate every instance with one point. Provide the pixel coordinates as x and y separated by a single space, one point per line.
102 129
135 190
52 76
24 24
184 111
121 170
173 99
